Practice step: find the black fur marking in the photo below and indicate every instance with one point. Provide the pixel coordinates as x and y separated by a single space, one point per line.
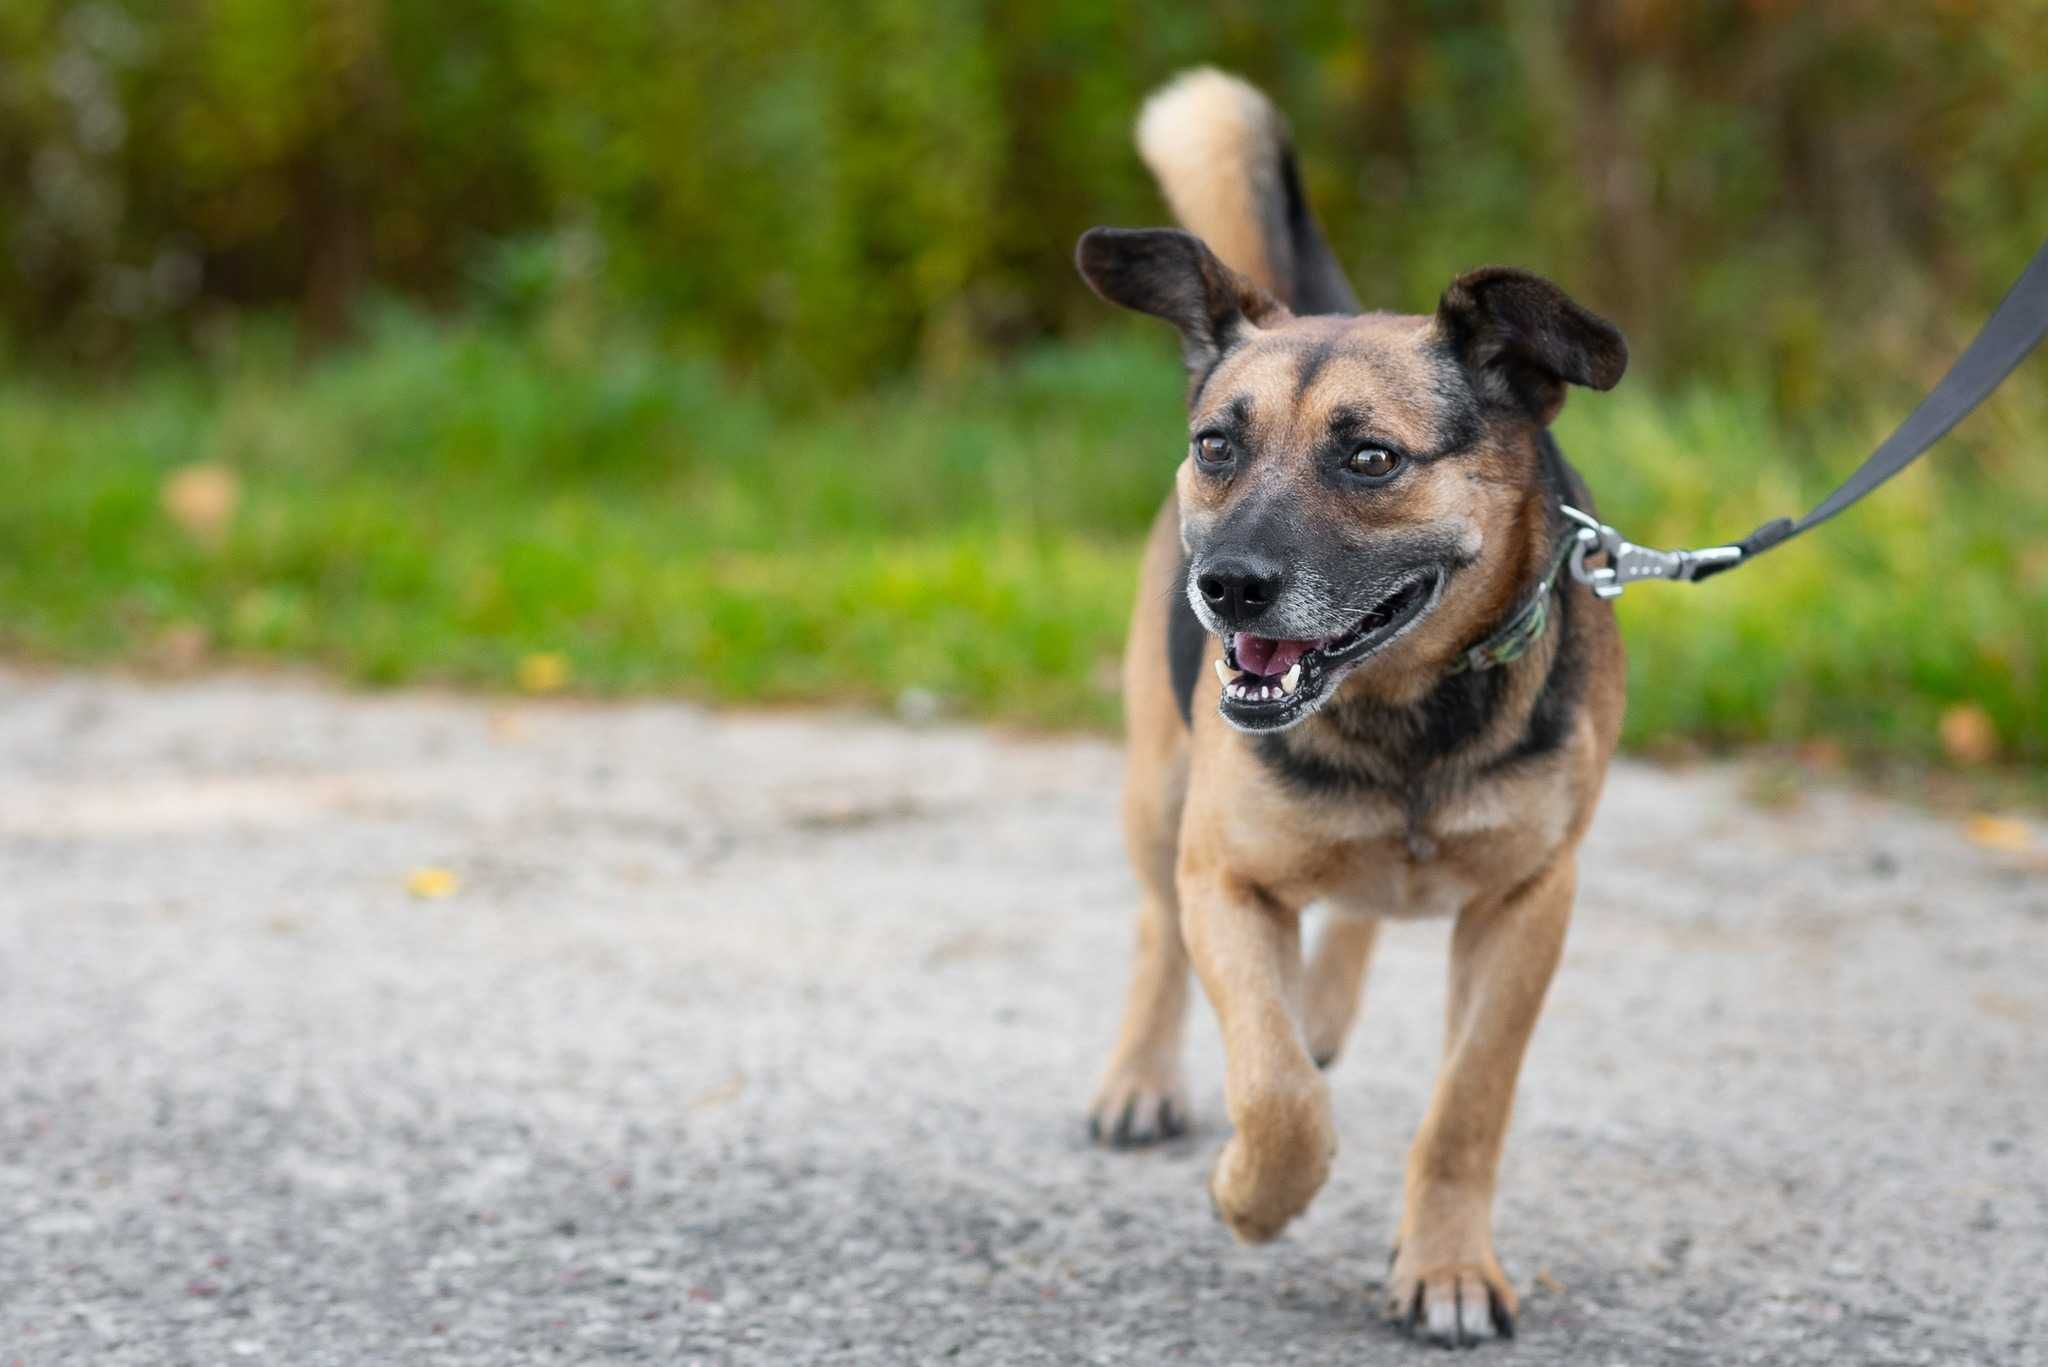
1556 707
1237 416
1307 774
1394 747
1560 480
1313 360
1319 283
1431 731
1463 422
1186 641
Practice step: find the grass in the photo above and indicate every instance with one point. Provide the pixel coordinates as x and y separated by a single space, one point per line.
445 501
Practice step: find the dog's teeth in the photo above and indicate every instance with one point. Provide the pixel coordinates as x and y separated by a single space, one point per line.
1291 680
1223 673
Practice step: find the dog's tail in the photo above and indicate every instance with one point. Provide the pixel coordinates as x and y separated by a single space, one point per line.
1223 155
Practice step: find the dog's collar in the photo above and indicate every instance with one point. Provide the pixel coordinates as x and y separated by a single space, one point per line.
1526 627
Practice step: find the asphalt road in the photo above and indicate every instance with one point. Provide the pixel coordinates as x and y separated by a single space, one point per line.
766 1039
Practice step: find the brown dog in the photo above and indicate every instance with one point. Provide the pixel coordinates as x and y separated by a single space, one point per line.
1415 709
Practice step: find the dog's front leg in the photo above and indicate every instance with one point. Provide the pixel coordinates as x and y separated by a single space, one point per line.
1446 1283
1246 950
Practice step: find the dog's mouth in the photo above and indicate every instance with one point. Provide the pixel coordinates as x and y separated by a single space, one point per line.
1269 685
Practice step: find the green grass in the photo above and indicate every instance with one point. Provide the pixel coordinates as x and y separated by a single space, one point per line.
442 501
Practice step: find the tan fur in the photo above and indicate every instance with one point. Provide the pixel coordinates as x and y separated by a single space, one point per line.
1252 855
1206 137
1144 1073
1374 806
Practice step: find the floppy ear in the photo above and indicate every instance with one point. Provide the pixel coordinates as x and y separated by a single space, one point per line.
1170 274
1523 339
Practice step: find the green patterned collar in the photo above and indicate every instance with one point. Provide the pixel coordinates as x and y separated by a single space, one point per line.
1523 629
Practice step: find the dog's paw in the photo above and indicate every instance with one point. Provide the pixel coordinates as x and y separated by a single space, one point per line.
1269 1172
1131 1111
1452 1306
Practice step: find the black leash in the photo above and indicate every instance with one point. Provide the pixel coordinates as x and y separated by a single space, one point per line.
2015 328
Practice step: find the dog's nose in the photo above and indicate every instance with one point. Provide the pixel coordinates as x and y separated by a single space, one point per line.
1239 588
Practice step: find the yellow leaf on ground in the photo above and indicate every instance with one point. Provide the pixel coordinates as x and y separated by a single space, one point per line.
180 649
2004 1006
1997 832
728 1090
1968 735
202 499
545 671
432 883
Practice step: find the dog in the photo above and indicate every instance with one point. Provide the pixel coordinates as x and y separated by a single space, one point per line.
1355 678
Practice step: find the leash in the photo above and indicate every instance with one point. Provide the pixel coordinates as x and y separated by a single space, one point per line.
2016 326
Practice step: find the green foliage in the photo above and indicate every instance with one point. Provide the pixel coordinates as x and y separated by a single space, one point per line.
762 371
1781 195
441 501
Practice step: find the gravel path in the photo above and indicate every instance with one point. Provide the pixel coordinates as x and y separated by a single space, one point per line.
765 1039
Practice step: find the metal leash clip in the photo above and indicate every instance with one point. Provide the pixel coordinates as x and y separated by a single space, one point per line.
1628 563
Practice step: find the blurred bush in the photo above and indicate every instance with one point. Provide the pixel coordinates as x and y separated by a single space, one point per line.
1769 192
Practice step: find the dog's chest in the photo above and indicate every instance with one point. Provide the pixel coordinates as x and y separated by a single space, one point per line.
1385 882
1383 860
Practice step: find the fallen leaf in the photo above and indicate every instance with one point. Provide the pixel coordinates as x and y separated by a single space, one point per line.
201 499
180 649
1968 735
1823 752
1775 785
976 944
1549 1283
432 883
1997 832
728 1090
544 671
854 813
2003 1005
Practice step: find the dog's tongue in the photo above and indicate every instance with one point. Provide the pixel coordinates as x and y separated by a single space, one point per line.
1257 655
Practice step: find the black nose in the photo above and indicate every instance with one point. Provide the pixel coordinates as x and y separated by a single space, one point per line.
1239 588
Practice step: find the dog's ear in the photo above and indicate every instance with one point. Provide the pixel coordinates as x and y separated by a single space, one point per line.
1172 275
1523 339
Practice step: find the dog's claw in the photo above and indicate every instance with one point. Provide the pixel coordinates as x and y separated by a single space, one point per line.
1132 1116
1452 1307
1122 1137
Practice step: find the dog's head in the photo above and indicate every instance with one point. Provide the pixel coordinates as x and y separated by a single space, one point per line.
1358 491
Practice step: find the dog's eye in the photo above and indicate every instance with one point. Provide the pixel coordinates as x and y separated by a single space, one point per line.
1212 448
1372 462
